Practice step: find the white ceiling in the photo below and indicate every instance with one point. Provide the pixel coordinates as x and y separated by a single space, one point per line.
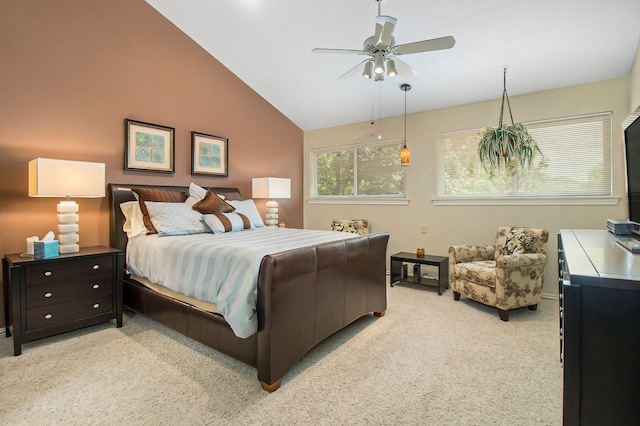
544 44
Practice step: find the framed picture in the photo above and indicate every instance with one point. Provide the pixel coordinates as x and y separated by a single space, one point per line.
148 147
209 155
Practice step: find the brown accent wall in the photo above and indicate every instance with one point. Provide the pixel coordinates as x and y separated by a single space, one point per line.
72 71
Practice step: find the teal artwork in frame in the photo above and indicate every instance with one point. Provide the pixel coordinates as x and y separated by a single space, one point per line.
149 147
209 155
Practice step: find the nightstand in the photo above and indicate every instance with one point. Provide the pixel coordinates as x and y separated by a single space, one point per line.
45 297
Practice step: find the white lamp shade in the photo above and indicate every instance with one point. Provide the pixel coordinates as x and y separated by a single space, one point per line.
271 187
62 178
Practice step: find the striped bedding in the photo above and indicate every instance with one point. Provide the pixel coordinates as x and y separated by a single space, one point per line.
218 268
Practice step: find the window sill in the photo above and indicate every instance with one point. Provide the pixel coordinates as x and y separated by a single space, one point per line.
363 201
525 201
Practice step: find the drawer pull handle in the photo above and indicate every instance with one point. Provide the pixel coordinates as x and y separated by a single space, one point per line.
96 266
96 286
96 306
48 274
47 295
48 316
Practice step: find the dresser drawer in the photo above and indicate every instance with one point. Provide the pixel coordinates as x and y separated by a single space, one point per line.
57 271
60 313
49 294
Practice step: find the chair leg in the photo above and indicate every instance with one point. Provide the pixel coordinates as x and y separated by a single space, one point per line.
533 307
456 295
504 315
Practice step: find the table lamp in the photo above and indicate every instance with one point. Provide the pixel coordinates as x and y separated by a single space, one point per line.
64 178
270 187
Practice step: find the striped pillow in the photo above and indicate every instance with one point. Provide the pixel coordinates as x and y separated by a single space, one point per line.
158 195
220 223
175 219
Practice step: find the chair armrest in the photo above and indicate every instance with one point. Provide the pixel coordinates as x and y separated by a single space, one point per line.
471 253
520 260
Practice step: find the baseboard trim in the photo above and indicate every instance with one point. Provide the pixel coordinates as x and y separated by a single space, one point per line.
549 296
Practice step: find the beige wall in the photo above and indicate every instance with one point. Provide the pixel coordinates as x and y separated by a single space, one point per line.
72 71
635 82
448 225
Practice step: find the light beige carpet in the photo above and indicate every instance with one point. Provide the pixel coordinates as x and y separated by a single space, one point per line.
429 361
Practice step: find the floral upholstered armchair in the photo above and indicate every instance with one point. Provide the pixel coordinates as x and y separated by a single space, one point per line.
507 275
355 226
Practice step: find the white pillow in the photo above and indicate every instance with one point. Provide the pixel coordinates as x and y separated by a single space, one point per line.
234 222
133 223
175 218
197 193
248 208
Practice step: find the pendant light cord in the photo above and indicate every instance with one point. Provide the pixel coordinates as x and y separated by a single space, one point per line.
405 153
405 88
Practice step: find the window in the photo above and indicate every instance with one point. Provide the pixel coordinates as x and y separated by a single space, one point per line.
359 171
577 153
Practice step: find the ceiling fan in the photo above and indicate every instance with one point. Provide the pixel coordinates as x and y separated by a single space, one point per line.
383 52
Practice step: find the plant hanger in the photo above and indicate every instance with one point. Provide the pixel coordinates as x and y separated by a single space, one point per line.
506 145
505 96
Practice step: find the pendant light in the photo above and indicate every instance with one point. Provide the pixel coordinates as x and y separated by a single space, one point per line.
405 153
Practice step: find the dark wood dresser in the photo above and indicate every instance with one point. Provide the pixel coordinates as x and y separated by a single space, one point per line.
45 297
599 283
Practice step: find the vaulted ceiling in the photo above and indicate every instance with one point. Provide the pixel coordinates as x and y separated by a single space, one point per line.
543 44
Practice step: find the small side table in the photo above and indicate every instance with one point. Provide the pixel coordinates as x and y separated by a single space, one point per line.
52 296
398 259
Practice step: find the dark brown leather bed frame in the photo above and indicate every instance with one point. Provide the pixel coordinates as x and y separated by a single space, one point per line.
304 296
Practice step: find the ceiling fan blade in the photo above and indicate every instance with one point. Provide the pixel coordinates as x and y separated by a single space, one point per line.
384 31
353 71
342 51
425 45
403 68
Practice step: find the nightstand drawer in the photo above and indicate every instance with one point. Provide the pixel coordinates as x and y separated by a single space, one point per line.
49 294
48 316
57 271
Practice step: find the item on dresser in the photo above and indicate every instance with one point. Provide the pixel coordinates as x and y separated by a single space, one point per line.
622 227
299 295
45 249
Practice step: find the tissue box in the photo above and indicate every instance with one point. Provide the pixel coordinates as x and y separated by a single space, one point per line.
45 249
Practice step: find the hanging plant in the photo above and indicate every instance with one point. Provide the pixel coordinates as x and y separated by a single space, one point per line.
506 145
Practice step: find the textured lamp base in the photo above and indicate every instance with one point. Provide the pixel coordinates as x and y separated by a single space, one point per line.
271 218
68 227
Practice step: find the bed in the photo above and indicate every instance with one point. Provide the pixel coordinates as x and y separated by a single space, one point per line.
304 295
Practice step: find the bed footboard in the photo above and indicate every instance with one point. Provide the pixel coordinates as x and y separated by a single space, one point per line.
306 295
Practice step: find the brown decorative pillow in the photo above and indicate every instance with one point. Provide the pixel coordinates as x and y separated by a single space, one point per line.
517 242
158 195
212 204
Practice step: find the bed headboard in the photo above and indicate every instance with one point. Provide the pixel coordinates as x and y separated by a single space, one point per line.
120 193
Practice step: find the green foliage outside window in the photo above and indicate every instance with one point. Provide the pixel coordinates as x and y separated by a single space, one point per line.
363 170
577 162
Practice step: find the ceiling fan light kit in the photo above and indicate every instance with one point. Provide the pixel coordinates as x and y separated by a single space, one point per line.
506 146
381 48
391 68
368 70
379 63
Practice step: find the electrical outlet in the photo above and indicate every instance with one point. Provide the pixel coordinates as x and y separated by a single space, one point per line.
424 228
